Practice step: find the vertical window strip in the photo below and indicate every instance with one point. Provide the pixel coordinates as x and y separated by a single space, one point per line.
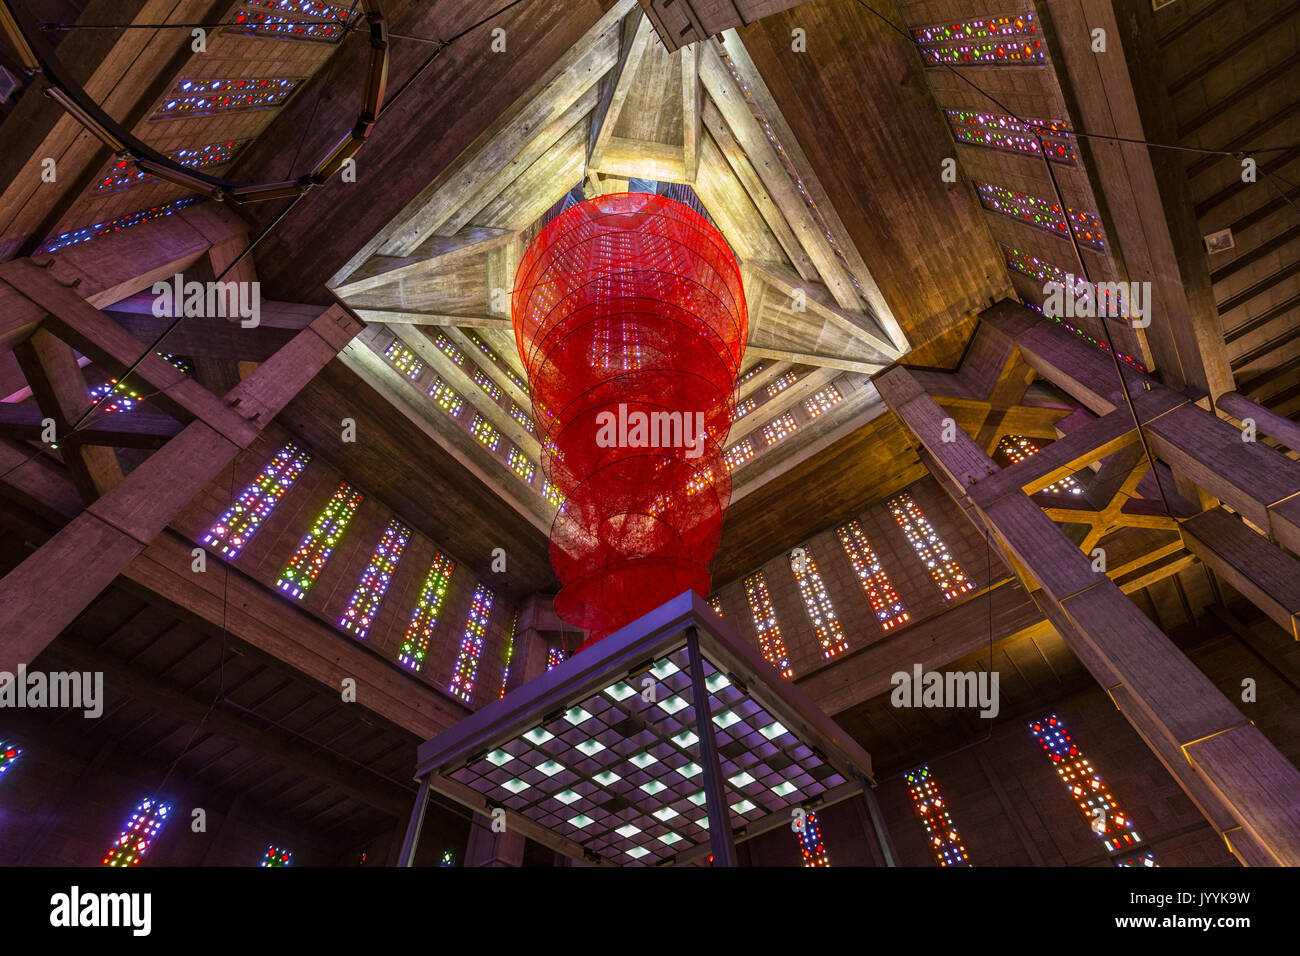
404 360
765 623
817 602
415 644
9 754
277 857
372 587
885 602
319 543
823 401
236 527
554 658
737 454
510 653
945 841
1087 788
471 644
446 398
142 828
929 547
811 844
779 428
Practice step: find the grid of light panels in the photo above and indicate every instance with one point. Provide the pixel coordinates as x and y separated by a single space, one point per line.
619 773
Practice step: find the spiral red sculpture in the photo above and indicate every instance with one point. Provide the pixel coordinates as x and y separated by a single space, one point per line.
630 319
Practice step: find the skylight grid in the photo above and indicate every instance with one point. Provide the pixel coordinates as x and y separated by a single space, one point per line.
619 771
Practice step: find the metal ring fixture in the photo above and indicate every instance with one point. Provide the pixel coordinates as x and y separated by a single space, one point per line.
39 57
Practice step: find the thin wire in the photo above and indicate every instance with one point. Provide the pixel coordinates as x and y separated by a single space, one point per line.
51 26
320 92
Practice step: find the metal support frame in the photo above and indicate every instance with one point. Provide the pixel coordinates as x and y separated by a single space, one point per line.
724 850
878 824
411 842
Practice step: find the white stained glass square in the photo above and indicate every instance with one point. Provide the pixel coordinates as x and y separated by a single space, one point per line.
590 747
670 838
742 779
606 777
581 821
772 730
620 691
653 787
499 757
516 785
551 768
726 719
664 815
743 806
702 822
697 798
538 735
673 704
576 715
664 668
567 797
784 788
643 760
637 852
628 830
715 682
684 739
690 770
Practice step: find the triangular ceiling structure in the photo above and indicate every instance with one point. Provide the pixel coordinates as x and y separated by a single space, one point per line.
615 109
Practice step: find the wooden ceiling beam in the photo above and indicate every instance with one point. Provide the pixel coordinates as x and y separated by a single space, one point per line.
128 429
605 117
435 252
398 317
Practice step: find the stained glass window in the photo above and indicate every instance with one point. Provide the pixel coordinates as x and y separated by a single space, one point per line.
124 174
716 603
1091 340
996 41
885 602
779 428
769 632
522 417
254 19
826 399
521 465
810 842
929 547
751 373
739 453
448 858
554 658
450 350
205 97
446 398
482 429
175 361
318 544
1087 788
945 842
1008 134
779 385
415 645
471 644
1013 449
1041 214
1041 270
817 602
744 408
1142 859
9 754
277 857
510 653
141 829
553 494
364 605
117 224
404 360
483 381
236 527
114 397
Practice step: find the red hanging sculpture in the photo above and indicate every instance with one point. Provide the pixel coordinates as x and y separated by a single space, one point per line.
630 319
